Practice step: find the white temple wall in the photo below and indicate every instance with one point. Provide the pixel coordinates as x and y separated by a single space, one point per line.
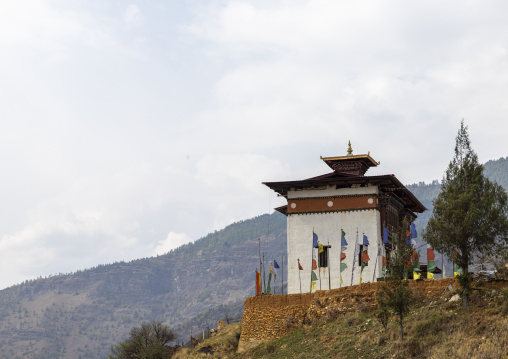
328 225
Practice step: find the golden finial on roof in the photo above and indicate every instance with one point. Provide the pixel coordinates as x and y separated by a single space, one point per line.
349 149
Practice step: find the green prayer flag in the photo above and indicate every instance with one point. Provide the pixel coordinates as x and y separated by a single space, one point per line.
394 237
431 266
343 233
343 267
313 276
363 266
456 267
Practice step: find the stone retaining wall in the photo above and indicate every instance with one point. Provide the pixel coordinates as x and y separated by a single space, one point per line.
269 317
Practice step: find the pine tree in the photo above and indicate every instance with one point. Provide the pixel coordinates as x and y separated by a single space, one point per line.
394 294
470 215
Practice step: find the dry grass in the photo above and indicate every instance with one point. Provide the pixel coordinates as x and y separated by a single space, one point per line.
223 345
434 329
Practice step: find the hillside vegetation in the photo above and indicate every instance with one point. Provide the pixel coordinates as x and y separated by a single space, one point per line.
434 329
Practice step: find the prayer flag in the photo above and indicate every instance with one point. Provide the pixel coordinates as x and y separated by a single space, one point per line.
342 256
312 284
343 234
357 251
343 242
430 253
413 231
315 240
321 249
314 264
456 270
385 235
431 266
275 264
394 237
268 289
313 276
343 267
258 283
300 266
341 281
365 257
416 275
365 240
430 275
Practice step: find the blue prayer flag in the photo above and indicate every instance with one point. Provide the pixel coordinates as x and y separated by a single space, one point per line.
343 241
365 240
315 240
413 231
275 264
385 235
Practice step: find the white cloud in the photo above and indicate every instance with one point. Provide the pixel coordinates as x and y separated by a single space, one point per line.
172 241
133 15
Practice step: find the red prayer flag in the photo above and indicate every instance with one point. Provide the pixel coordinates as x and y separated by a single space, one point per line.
300 266
314 264
384 261
430 254
365 257
258 283
342 256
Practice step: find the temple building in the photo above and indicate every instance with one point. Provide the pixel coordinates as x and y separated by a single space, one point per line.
340 224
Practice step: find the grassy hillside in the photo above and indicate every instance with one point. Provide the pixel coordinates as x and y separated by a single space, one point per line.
434 329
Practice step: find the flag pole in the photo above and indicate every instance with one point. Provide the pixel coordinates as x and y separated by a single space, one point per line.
264 278
274 277
442 266
354 257
319 268
260 263
329 263
340 259
375 265
282 275
311 259
299 277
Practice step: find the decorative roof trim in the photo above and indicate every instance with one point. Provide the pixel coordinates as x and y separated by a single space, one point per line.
351 157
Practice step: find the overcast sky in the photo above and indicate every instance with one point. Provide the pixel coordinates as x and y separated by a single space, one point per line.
130 128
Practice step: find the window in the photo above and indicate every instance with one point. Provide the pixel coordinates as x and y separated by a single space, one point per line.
323 257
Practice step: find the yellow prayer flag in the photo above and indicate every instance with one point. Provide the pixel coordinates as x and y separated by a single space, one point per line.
321 249
341 279
312 284
416 275
430 275
456 274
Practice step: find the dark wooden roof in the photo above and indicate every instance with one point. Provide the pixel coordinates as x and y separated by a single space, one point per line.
387 183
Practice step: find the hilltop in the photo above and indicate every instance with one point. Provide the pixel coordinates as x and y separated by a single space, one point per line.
434 329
